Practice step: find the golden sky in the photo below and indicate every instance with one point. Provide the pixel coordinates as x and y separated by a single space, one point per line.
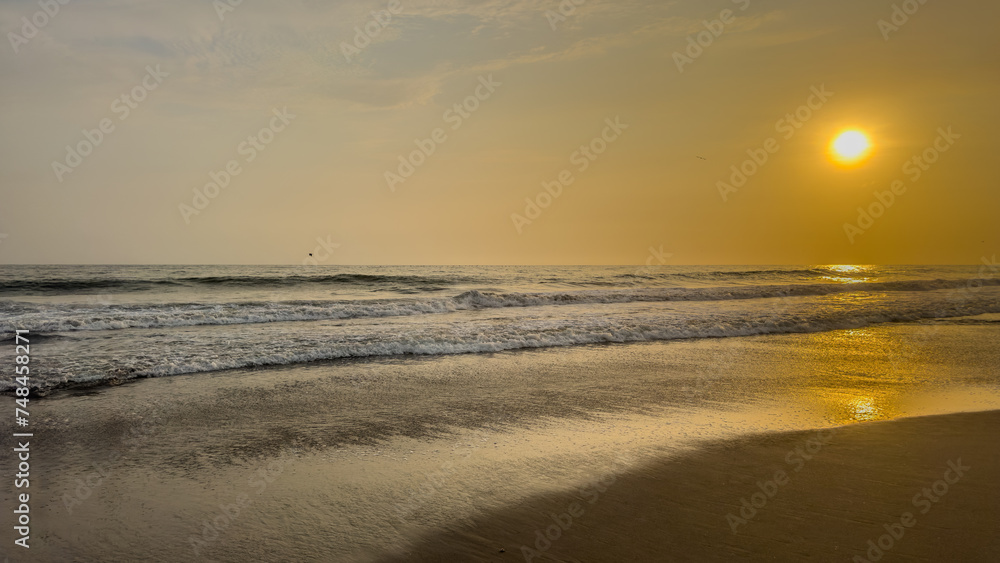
641 108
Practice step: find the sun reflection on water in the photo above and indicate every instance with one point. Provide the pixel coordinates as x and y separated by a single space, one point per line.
853 375
864 408
850 273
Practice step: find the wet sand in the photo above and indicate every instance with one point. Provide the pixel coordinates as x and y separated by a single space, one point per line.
451 458
826 508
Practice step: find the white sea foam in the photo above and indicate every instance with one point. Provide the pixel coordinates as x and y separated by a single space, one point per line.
90 358
53 318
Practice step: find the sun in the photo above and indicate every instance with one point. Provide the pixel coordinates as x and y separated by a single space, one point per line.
850 147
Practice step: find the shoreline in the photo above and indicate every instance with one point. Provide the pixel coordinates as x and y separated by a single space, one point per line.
369 461
130 375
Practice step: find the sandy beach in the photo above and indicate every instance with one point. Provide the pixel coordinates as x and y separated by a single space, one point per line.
643 452
929 482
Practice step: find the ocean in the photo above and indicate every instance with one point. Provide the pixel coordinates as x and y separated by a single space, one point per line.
105 325
377 414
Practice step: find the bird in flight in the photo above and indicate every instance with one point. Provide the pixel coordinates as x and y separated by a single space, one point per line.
703 158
